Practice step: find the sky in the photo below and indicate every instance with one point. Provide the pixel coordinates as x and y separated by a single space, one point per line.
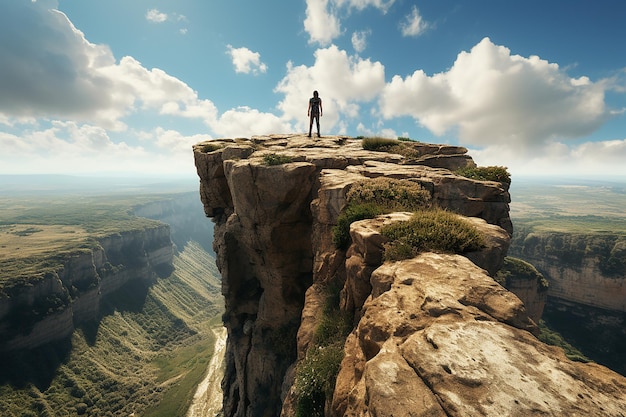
118 87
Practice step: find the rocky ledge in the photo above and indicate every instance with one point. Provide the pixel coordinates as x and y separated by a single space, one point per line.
434 335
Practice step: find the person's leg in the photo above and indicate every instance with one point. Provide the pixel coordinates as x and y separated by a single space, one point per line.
317 122
310 124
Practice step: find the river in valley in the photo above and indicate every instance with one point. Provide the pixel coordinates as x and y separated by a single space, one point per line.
207 401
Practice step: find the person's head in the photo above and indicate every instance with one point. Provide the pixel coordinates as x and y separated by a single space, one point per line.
315 94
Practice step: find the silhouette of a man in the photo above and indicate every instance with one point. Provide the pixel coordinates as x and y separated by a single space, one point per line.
315 111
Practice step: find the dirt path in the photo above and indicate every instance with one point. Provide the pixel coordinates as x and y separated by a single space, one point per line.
207 401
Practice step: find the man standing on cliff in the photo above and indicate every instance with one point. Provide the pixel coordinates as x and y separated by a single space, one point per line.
315 112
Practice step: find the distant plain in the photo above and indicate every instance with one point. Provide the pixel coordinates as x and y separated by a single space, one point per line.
569 205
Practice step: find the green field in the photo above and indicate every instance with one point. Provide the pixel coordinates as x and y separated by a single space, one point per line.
569 206
35 232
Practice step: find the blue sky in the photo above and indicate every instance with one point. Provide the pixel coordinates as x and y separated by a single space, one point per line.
126 87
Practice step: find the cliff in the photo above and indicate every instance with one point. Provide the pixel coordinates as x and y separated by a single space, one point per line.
432 335
589 269
587 293
47 307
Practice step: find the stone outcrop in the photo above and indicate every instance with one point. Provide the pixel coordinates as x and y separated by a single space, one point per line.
432 335
439 337
581 268
47 307
587 292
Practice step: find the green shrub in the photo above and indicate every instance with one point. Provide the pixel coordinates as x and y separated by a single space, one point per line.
552 337
335 324
405 139
491 173
400 146
430 230
514 268
315 379
210 147
378 144
352 213
370 198
389 193
316 375
276 159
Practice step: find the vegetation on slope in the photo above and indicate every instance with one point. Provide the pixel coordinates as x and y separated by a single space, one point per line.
433 230
148 351
491 173
369 198
514 268
316 375
400 146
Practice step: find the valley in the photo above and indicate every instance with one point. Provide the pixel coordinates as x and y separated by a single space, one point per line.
151 341
574 233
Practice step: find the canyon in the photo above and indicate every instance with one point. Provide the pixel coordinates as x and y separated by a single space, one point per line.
119 323
47 307
587 287
433 335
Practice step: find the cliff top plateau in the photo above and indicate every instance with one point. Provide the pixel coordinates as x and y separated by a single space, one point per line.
342 301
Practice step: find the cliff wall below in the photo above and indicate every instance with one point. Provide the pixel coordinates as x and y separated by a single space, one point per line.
47 307
587 293
581 268
434 335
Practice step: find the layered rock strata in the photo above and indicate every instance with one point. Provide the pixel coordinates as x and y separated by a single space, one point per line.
48 307
434 335
584 269
587 293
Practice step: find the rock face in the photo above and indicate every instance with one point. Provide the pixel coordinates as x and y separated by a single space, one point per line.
587 293
584 269
47 308
433 335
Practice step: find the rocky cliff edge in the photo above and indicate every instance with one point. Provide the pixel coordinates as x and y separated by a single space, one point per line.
434 335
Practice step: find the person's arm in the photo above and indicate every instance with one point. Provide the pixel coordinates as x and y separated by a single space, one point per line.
321 110
308 111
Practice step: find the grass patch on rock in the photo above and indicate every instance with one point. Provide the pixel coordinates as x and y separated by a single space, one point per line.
515 268
317 373
491 173
430 231
272 159
370 198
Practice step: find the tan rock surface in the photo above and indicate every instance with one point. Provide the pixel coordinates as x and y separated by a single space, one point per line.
457 355
434 336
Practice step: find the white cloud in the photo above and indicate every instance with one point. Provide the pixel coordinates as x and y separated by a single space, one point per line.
413 24
49 70
245 122
362 4
492 97
343 82
602 158
82 148
155 16
55 78
77 146
323 22
245 61
359 40
173 141
320 23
